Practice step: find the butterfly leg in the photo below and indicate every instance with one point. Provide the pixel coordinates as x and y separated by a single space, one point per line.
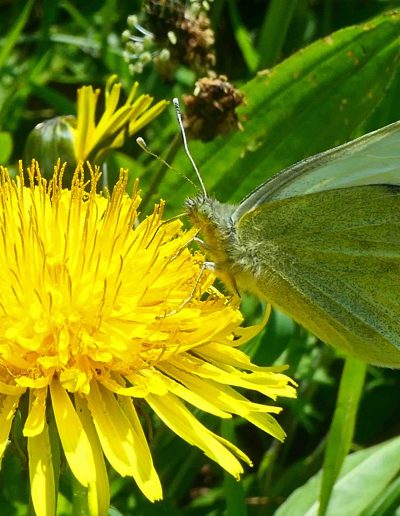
204 266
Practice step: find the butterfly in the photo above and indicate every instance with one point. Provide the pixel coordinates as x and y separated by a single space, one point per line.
320 241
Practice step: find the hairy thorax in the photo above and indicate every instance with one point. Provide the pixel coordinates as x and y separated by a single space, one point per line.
239 256
216 227
220 241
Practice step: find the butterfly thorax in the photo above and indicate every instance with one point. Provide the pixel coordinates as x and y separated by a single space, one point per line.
216 227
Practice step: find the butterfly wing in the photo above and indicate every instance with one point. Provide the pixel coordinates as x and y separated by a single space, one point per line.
331 260
371 159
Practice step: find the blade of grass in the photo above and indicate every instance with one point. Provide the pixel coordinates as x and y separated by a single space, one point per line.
108 9
243 38
12 37
274 30
50 9
342 427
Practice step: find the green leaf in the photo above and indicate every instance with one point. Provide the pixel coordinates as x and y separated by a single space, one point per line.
233 490
342 427
243 38
13 35
6 146
364 479
308 103
274 30
388 503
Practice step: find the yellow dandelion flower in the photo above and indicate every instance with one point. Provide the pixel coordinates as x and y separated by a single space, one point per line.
93 139
99 312
87 136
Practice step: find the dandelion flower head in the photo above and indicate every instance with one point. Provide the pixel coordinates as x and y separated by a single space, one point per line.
100 312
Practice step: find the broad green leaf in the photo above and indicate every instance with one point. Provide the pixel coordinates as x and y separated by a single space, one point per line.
308 103
388 503
342 427
363 479
388 110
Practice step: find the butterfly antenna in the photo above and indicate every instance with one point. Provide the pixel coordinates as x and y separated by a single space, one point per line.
143 145
185 145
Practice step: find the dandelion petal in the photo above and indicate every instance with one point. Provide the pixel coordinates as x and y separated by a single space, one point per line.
36 419
177 417
8 407
99 491
126 450
74 439
41 473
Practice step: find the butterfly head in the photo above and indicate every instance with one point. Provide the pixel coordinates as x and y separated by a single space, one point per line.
214 221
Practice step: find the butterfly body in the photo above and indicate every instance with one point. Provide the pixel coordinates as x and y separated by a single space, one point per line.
322 244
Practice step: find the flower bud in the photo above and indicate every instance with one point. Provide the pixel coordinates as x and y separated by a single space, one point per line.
51 141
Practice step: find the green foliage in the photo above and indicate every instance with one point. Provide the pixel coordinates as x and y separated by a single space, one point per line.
312 101
368 477
329 91
342 427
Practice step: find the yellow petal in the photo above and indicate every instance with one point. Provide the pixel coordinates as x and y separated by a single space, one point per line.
99 491
266 382
86 108
8 405
178 418
221 354
210 392
148 471
111 123
136 391
185 388
73 438
249 332
36 419
132 93
41 471
268 424
13 390
33 383
126 450
151 113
